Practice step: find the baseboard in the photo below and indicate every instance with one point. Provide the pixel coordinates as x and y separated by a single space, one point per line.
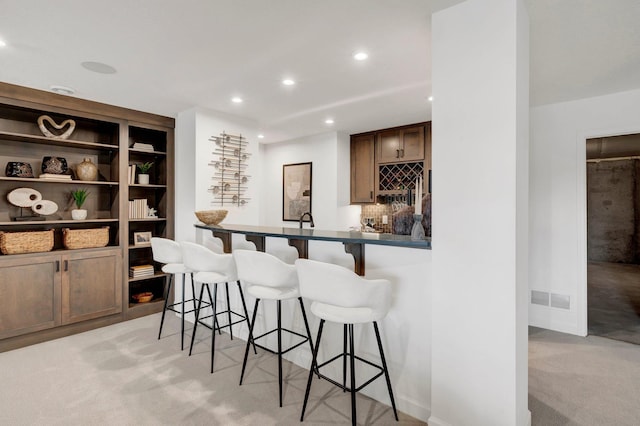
434 421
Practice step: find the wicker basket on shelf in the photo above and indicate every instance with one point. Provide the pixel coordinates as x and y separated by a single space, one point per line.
211 217
85 238
26 242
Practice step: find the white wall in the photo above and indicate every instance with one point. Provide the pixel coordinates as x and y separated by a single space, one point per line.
329 155
558 253
480 111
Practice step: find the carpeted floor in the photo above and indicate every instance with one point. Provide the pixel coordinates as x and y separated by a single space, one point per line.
123 375
582 381
614 301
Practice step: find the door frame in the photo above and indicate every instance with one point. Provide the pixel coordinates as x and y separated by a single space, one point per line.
581 220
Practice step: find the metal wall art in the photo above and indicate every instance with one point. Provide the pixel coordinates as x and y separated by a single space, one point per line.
230 165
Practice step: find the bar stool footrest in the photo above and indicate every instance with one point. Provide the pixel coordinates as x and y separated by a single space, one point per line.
305 340
347 389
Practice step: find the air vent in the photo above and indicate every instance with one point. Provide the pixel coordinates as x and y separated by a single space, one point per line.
540 298
562 301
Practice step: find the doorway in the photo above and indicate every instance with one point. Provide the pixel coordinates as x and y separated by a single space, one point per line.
613 237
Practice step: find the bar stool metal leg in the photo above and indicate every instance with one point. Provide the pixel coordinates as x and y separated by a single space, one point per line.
246 315
306 323
213 322
280 351
352 363
249 340
195 324
182 316
313 367
226 289
386 371
166 302
344 358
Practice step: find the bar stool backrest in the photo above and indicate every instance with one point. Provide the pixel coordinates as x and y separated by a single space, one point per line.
165 250
338 286
264 269
201 259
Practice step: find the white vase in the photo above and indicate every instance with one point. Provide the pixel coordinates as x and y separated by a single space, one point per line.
143 179
78 214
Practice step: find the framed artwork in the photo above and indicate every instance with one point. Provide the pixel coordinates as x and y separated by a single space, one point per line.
296 191
142 238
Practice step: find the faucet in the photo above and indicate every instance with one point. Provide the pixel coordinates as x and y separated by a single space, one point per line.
310 219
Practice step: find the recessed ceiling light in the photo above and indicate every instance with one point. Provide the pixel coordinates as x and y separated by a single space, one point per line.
98 67
288 82
260 136
236 100
329 121
430 98
62 90
360 56
3 43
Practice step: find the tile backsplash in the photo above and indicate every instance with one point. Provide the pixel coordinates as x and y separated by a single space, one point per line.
376 211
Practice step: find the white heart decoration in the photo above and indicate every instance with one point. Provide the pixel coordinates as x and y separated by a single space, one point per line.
45 118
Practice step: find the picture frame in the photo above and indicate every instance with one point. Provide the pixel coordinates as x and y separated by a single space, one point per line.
141 239
296 191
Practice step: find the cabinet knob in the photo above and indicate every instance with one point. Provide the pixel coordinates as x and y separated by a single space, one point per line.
397 153
371 195
57 266
66 265
402 153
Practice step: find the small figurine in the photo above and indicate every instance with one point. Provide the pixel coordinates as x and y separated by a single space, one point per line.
153 212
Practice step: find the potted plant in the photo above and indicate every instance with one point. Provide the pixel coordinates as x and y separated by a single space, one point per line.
143 177
79 197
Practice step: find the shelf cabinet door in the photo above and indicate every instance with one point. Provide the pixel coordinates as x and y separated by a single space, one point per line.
401 145
29 294
388 146
412 144
91 285
362 169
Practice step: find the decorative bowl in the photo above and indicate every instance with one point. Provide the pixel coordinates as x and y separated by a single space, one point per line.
143 297
211 217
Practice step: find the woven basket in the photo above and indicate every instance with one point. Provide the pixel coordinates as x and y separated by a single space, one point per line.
211 217
26 242
85 238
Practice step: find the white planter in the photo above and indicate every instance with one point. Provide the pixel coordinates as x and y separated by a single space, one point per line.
79 214
143 179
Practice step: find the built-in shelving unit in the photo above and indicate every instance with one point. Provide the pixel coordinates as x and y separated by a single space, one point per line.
62 291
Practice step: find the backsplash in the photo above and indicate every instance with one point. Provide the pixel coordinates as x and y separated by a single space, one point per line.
377 211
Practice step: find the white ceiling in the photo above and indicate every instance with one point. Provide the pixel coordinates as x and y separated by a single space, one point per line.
173 55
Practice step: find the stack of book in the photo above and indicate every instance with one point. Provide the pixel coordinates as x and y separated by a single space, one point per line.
141 271
54 176
143 146
132 174
138 209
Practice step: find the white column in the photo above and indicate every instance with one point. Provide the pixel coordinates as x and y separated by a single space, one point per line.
480 203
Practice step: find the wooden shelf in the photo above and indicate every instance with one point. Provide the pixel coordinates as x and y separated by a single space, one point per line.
57 222
64 182
150 277
141 151
19 137
153 219
153 186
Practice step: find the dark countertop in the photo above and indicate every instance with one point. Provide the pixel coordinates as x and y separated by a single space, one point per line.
322 235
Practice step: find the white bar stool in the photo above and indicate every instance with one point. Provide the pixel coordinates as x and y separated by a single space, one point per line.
213 268
339 295
169 253
269 278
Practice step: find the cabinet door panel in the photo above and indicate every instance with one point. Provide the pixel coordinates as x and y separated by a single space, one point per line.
91 285
388 146
412 146
362 169
29 295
